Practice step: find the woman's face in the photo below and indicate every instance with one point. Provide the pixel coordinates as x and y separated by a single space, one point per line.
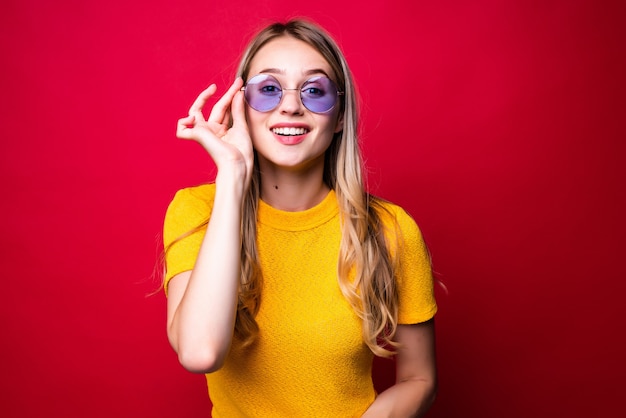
278 145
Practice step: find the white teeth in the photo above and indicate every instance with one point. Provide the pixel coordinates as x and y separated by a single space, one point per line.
289 131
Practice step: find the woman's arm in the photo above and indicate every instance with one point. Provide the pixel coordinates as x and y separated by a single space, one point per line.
201 306
416 375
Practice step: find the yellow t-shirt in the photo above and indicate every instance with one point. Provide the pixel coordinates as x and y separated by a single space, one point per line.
309 359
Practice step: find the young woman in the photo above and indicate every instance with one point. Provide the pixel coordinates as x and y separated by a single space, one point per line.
285 277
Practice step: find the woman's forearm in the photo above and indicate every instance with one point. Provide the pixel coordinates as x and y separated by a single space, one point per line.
416 374
411 398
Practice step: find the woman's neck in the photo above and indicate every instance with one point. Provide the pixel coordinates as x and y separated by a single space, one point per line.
293 190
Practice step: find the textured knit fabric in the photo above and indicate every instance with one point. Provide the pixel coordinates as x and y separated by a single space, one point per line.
309 359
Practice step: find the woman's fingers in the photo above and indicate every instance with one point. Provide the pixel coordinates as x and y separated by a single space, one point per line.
238 111
187 121
184 126
231 104
220 111
198 105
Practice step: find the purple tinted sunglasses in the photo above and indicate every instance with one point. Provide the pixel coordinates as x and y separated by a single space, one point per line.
263 93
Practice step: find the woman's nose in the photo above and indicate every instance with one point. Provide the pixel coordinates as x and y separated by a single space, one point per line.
291 102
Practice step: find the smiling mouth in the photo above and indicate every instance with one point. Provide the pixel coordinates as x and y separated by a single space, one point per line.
290 131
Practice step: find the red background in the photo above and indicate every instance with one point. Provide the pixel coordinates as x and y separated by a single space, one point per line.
498 125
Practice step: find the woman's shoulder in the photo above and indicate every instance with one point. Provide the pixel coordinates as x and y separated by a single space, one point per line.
201 193
192 202
390 212
197 196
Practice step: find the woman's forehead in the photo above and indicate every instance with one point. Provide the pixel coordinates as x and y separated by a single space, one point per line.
288 56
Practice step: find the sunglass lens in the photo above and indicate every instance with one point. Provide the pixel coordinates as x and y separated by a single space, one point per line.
263 92
319 94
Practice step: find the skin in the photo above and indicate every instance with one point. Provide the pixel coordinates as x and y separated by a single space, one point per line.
201 304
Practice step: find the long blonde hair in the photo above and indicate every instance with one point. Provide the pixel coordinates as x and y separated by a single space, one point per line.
365 267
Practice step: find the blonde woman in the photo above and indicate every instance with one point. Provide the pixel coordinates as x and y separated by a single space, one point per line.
285 277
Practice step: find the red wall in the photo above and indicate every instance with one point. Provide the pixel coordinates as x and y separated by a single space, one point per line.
498 125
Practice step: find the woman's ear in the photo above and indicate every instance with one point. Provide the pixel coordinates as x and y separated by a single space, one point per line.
339 126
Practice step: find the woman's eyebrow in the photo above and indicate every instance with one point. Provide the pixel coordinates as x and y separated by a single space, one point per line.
306 72
272 71
316 71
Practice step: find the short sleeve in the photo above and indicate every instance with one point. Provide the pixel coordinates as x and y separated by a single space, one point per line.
184 228
413 273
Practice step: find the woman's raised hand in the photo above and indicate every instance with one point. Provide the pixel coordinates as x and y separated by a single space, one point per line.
230 147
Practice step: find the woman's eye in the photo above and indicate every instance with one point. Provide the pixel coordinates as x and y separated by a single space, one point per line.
270 89
313 91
